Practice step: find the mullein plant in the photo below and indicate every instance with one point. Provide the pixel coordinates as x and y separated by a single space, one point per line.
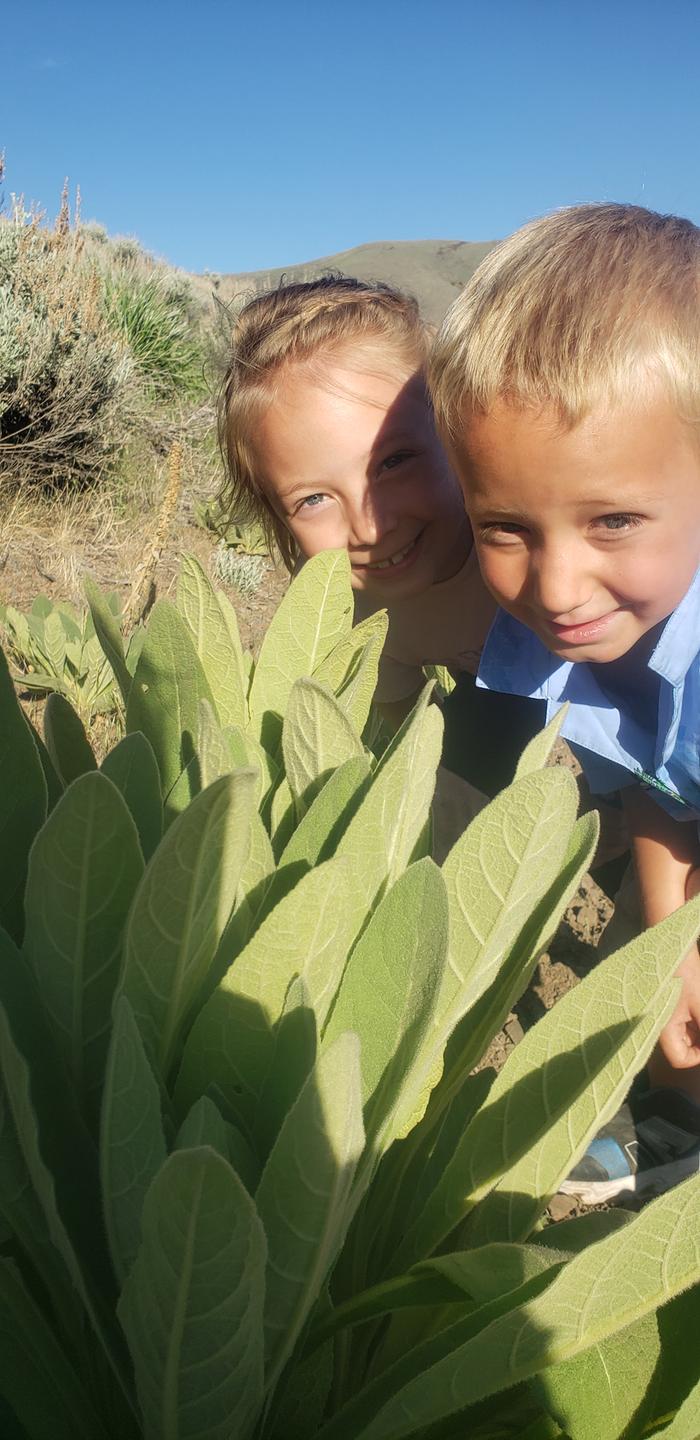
253 1182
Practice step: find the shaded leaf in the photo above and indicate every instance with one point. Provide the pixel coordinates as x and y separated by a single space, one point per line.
192 1306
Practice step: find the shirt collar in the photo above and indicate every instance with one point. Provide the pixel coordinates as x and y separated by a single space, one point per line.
679 641
516 661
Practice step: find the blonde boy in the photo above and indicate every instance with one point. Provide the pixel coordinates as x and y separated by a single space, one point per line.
566 385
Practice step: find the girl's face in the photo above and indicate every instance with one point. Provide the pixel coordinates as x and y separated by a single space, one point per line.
351 461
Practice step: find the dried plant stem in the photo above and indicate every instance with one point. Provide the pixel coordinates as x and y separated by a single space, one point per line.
143 588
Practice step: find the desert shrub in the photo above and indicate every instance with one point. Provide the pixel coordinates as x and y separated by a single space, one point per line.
67 398
154 314
252 1184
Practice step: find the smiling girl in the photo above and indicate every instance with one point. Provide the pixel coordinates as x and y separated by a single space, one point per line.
328 437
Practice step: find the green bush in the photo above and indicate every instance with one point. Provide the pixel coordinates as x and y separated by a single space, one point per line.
66 382
251 1183
153 313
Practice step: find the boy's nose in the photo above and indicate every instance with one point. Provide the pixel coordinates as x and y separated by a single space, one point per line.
560 585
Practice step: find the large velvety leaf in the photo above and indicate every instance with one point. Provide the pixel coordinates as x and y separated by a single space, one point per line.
54 1142
168 684
686 1424
181 908
304 1195
351 669
24 1217
132 1142
131 766
382 834
192 1307
597 1395
597 1295
23 802
314 615
250 897
496 874
109 635
318 832
36 1376
66 741
477 1028
633 984
388 994
245 750
538 750
231 1044
317 737
83 871
198 602
559 1085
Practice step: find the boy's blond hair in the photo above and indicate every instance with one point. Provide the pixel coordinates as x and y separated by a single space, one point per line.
586 305
296 324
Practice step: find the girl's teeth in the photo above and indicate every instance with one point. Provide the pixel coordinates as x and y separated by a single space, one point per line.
393 560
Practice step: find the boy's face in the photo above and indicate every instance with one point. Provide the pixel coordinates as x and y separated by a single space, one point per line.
589 536
352 460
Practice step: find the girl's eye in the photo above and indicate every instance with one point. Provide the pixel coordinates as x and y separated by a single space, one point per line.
623 521
398 458
311 501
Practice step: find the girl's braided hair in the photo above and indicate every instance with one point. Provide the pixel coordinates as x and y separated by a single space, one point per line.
290 325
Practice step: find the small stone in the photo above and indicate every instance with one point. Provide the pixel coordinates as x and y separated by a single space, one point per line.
561 1206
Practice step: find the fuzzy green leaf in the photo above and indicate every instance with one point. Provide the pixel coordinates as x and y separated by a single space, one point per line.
382 834
180 911
388 994
352 667
168 684
538 750
199 604
686 1424
109 635
597 1295
66 741
132 1142
304 1195
314 615
131 766
634 984
83 872
317 737
231 1044
23 802
36 1378
192 1306
204 1125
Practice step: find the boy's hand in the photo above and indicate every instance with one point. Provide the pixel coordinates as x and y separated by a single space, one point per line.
679 1041
678 1047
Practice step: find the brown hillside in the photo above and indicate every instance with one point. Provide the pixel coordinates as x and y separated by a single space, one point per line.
432 270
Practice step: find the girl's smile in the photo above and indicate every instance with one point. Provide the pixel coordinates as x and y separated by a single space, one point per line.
350 460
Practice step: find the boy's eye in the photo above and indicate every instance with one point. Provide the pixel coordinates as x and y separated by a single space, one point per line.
496 530
623 521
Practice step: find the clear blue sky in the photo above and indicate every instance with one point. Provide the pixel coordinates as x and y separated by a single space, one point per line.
232 137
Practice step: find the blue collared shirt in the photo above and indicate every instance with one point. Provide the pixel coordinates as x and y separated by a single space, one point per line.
611 743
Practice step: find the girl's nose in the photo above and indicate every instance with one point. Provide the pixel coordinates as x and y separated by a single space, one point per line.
371 521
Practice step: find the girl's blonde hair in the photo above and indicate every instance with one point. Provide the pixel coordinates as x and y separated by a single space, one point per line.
288 326
589 304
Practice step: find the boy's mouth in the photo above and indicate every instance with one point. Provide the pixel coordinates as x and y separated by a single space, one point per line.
583 633
399 560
